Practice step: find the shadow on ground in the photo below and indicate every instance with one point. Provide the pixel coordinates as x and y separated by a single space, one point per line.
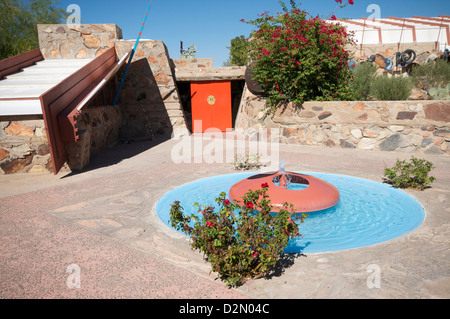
285 262
121 151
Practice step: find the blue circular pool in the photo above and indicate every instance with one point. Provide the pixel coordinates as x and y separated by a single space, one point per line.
368 212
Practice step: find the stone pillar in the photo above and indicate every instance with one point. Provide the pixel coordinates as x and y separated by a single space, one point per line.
149 98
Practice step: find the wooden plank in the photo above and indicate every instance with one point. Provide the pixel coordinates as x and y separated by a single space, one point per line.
66 118
16 63
440 25
413 28
57 99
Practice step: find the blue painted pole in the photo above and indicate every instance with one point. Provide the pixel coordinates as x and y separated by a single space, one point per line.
131 57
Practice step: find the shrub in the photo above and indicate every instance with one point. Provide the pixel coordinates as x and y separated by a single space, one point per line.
410 175
363 75
240 242
431 75
299 58
394 88
247 161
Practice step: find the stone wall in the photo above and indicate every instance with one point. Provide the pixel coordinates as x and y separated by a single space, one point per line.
60 41
405 126
23 146
195 63
149 98
98 128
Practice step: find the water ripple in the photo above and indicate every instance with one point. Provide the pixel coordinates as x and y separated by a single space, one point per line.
368 212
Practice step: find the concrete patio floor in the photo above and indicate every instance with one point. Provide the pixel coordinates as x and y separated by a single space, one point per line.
102 220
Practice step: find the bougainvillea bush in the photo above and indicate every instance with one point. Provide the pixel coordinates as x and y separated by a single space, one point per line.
240 240
296 58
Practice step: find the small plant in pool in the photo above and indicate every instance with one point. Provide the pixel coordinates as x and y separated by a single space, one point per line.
413 174
240 241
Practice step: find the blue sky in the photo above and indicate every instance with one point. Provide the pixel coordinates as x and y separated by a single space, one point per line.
211 24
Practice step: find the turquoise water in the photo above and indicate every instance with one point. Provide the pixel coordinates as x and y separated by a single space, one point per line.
368 212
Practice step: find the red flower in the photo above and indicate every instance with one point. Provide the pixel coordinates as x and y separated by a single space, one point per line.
333 17
226 202
255 254
264 185
350 2
249 205
209 224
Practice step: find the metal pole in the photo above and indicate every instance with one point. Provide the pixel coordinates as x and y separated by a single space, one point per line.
131 57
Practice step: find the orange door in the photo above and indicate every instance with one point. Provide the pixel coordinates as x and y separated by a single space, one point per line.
211 104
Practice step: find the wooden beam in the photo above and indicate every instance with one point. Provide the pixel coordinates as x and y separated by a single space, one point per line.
433 24
380 37
413 28
16 63
57 99
443 19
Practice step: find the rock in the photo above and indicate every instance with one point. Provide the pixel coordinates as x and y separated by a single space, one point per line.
18 129
404 115
324 115
396 128
60 30
437 112
442 133
426 142
3 154
347 144
288 132
391 143
100 52
92 42
319 137
16 165
162 79
43 150
356 133
359 107
415 139
370 134
64 49
419 94
362 117
367 144
54 53
82 54
307 114
330 143
433 149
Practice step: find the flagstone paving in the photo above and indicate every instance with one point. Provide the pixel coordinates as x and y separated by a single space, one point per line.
103 220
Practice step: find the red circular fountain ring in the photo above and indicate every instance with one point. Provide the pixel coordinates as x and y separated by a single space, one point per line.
318 195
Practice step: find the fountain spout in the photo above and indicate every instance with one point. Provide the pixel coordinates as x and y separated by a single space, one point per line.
284 178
